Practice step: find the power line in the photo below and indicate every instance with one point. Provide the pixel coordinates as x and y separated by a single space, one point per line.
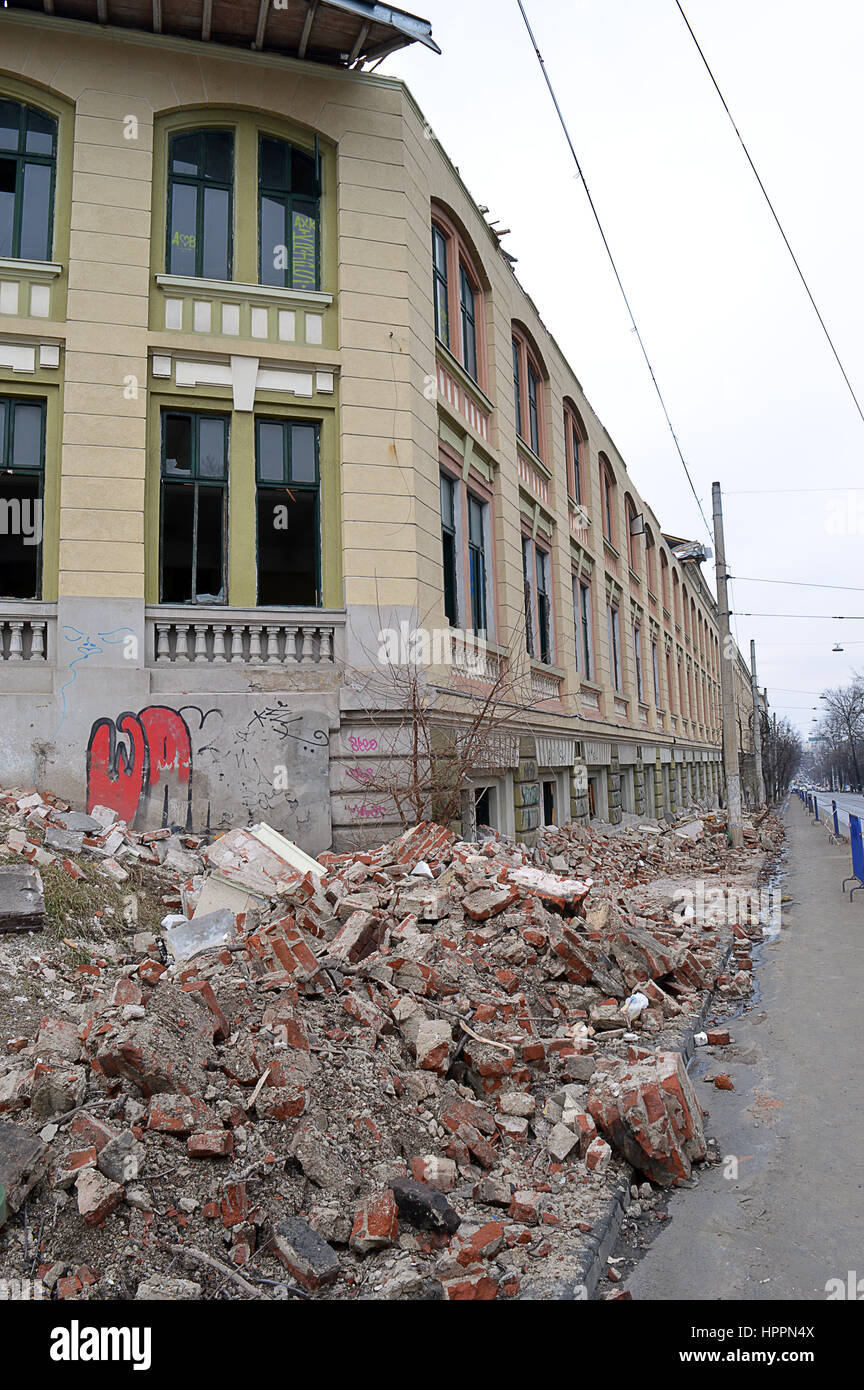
779 491
612 261
801 275
826 617
799 583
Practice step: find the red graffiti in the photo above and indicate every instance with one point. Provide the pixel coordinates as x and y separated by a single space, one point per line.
153 747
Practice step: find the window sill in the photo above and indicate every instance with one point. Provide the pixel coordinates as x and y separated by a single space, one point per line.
534 459
607 545
46 270
465 379
237 289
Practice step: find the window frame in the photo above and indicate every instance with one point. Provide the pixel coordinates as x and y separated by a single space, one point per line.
584 623
200 183
288 484
528 395
613 612
22 157
196 481
539 616
608 501
473 560
460 269
574 446
287 199
38 471
637 662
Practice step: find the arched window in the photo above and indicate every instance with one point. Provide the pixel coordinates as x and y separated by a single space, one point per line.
664 580
633 533
650 560
458 296
676 599
28 155
288 215
574 448
528 394
200 203
607 499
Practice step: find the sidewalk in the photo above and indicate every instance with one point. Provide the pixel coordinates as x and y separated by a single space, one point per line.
795 1216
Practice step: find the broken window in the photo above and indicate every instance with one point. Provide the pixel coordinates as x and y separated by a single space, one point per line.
538 601
193 561
287 502
22 477
200 203
448 549
288 215
477 562
28 146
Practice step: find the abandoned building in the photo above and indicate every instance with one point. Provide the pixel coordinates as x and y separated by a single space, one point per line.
268 386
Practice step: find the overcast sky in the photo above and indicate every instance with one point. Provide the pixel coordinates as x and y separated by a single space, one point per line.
753 391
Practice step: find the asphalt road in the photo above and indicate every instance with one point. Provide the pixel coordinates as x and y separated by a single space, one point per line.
793 1219
846 802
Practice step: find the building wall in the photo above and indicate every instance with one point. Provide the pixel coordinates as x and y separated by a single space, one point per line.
268 717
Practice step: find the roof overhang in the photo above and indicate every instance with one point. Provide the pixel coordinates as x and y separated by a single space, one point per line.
347 33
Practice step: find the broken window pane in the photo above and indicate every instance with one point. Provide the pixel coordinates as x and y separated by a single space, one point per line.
194 549
287 517
288 547
21 487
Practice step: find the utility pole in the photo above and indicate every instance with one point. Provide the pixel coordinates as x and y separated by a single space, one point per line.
727 681
757 727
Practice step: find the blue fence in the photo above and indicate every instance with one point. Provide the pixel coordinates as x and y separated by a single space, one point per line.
857 856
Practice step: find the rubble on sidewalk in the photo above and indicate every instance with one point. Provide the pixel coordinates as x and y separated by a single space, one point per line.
358 1079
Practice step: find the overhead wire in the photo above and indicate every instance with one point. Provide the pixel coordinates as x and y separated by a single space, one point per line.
780 228
612 262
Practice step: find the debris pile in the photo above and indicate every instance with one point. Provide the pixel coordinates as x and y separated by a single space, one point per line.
408 1073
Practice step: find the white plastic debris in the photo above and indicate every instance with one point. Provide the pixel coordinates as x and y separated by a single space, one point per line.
634 1005
421 870
700 1039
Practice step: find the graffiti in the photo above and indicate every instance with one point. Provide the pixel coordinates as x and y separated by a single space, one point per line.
87 647
367 812
279 718
363 745
362 774
131 757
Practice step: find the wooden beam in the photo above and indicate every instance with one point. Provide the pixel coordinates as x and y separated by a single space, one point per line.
307 27
206 19
358 44
157 16
263 12
102 11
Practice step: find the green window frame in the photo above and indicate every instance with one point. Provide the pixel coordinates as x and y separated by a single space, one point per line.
289 215
448 549
440 285
288 512
193 513
28 173
467 306
200 218
22 492
477 562
517 386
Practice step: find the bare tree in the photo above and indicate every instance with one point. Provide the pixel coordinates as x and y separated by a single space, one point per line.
781 756
440 717
841 732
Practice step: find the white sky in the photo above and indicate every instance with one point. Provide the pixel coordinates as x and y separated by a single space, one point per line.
753 391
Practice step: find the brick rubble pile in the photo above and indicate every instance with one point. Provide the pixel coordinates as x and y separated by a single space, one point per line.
409 1073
